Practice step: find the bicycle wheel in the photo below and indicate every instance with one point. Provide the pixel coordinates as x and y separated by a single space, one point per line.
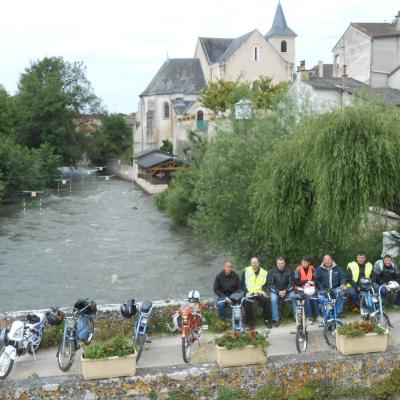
301 340
139 344
384 324
186 348
36 342
89 339
330 333
6 364
65 354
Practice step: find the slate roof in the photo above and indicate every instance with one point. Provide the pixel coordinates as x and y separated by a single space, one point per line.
236 43
377 29
153 159
350 85
215 47
177 75
389 95
146 152
279 26
182 107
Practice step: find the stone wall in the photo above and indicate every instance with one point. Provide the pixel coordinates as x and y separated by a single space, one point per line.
290 372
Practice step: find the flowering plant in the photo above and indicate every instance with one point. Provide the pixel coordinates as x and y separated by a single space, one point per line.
355 329
237 340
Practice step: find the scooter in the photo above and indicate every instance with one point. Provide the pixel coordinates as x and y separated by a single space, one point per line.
23 336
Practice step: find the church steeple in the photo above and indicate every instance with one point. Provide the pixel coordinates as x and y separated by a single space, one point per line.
279 26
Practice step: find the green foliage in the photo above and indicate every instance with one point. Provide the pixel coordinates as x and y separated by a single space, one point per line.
240 340
270 393
356 329
314 190
113 138
51 93
219 95
265 93
7 113
215 323
117 346
167 146
229 394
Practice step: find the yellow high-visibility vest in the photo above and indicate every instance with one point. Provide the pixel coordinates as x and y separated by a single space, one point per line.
254 284
355 270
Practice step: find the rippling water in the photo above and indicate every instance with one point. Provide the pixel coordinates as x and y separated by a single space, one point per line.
105 241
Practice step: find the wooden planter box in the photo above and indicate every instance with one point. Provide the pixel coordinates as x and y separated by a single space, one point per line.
370 343
237 357
110 367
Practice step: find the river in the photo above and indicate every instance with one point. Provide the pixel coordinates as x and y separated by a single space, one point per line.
106 241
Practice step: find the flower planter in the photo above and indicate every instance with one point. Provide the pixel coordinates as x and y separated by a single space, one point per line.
369 343
110 367
238 357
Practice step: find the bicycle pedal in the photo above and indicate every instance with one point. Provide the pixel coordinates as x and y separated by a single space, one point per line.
148 341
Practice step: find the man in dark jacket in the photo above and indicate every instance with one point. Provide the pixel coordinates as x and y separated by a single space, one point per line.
226 283
281 285
385 271
330 275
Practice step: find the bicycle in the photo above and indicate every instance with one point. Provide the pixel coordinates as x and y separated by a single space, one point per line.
301 322
237 300
140 336
329 316
77 327
371 304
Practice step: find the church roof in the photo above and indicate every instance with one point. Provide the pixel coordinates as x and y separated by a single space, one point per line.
235 44
377 29
177 75
279 26
215 47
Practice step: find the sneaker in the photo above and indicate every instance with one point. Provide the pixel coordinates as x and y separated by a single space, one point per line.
276 324
310 321
320 320
268 324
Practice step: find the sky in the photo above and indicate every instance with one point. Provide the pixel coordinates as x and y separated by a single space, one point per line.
123 43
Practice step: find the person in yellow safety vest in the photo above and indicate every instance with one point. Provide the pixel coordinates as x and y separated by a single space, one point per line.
355 271
254 283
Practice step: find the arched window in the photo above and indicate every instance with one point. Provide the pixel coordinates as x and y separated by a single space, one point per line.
283 46
256 53
200 115
166 110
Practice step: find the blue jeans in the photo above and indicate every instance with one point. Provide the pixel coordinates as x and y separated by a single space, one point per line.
339 300
311 307
275 299
354 295
221 308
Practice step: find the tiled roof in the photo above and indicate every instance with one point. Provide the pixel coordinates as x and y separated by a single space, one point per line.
377 29
177 75
154 159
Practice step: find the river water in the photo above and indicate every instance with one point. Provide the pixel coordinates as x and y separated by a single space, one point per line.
105 241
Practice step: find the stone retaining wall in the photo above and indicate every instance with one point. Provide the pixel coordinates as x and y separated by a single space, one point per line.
291 372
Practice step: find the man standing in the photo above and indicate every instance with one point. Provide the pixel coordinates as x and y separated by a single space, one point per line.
357 270
226 283
329 275
385 271
254 283
281 285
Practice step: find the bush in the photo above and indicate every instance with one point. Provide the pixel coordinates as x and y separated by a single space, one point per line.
117 346
240 340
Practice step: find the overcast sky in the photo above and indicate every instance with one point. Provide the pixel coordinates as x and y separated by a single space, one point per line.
124 42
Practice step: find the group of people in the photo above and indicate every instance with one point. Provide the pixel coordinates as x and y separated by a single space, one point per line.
270 287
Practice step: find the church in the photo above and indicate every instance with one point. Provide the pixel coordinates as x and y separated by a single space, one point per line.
170 106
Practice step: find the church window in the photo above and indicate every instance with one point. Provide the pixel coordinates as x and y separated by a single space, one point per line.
166 110
283 46
256 53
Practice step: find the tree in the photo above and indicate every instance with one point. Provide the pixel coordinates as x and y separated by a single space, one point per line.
7 113
219 95
265 93
51 94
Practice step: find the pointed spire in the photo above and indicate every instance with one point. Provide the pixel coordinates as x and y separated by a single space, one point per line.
279 26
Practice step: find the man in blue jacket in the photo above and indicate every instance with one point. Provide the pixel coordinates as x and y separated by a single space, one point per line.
330 275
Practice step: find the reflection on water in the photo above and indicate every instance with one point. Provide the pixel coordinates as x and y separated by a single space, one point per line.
105 241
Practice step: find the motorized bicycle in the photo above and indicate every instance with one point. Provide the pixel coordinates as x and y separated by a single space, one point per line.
371 304
23 336
78 327
236 303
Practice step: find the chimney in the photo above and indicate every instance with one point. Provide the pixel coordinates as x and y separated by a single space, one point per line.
303 72
344 75
320 69
302 65
397 22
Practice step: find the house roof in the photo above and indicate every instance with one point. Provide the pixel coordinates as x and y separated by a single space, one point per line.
389 95
376 29
279 26
154 159
235 44
182 107
177 75
215 47
350 85
327 71
146 152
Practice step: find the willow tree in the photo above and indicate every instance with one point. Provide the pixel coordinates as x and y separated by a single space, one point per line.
314 191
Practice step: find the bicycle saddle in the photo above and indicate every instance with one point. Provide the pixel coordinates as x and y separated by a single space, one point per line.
146 305
32 318
236 297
